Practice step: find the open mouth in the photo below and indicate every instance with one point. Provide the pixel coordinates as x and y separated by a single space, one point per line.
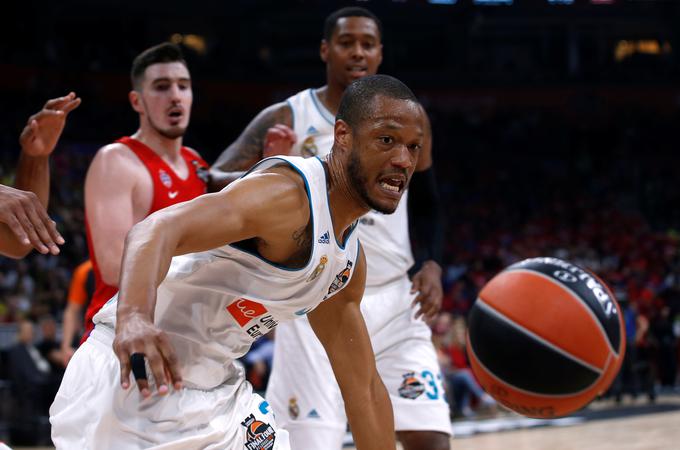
358 71
393 183
175 114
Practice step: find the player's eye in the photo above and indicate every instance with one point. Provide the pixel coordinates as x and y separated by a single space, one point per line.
386 140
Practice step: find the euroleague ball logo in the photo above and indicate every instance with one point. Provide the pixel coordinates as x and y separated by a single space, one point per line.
565 276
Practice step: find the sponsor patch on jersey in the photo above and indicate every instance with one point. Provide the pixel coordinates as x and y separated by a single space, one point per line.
318 269
309 147
202 172
411 386
244 310
313 414
293 408
340 279
165 178
259 435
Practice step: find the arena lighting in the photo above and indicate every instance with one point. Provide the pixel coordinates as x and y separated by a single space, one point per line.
192 41
561 2
442 2
493 2
624 49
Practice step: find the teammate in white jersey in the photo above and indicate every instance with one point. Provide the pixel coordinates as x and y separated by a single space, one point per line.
301 388
251 257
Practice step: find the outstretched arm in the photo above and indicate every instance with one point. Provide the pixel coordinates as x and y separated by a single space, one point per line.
340 327
269 206
249 147
24 223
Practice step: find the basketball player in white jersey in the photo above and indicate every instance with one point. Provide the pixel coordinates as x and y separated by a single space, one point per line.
252 257
301 388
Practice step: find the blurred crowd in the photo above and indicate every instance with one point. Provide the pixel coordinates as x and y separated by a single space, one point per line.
514 185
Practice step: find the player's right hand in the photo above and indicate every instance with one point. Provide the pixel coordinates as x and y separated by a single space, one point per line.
279 140
27 218
136 333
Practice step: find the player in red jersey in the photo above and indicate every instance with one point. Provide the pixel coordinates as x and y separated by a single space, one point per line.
140 174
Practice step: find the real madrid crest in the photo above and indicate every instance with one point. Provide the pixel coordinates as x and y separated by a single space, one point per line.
293 408
309 147
319 268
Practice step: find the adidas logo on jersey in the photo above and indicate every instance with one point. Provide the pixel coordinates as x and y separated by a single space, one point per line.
313 414
325 238
311 130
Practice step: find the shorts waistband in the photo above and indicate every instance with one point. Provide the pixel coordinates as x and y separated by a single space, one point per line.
102 333
396 283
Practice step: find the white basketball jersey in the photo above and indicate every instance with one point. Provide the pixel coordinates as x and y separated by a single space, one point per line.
384 237
214 304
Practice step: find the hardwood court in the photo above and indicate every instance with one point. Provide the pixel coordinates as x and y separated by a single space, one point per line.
660 431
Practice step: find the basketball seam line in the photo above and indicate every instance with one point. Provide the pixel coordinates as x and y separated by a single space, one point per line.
581 302
543 341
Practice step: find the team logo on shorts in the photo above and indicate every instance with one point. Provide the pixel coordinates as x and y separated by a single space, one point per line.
340 279
309 147
259 435
317 271
411 387
165 178
293 408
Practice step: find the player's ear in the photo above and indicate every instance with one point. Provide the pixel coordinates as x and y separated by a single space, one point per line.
323 50
343 135
134 98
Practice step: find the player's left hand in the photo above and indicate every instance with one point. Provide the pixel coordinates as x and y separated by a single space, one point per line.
41 133
136 334
427 282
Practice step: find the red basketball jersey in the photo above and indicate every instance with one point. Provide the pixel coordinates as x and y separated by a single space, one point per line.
168 189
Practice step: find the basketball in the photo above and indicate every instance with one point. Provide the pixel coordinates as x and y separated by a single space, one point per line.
545 337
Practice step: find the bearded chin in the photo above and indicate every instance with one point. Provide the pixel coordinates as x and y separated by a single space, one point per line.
172 133
358 180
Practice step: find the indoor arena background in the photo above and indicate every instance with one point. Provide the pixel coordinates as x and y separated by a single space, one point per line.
556 128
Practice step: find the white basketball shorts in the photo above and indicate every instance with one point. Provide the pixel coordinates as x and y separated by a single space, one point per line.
92 411
305 396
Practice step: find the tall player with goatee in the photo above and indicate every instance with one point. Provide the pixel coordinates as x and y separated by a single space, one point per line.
142 173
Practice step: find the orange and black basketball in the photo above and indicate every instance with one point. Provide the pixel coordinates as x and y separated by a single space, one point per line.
545 337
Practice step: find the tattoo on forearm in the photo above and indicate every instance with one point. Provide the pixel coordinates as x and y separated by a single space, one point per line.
248 147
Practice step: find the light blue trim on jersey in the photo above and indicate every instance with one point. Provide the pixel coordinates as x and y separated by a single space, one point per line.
326 114
353 226
311 213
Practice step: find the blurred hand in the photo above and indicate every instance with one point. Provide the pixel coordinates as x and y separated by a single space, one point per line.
26 217
41 133
66 355
427 282
279 140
